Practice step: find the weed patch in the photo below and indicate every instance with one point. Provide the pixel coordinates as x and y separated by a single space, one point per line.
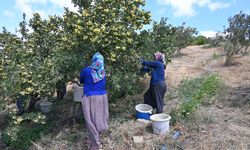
193 93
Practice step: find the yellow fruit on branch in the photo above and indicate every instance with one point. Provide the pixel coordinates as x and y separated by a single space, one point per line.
97 30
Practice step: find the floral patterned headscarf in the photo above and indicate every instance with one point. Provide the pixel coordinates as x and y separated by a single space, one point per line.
98 71
160 57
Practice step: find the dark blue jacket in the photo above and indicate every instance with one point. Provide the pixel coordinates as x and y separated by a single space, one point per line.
89 87
158 73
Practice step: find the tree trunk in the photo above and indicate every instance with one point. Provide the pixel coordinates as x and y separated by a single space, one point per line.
245 50
229 58
178 52
33 100
230 48
60 93
238 49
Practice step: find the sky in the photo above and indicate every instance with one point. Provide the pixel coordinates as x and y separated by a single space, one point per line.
208 16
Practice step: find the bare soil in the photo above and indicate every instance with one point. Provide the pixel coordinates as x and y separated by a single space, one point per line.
225 124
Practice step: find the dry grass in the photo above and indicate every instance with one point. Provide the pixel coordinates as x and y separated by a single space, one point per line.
66 139
226 128
224 124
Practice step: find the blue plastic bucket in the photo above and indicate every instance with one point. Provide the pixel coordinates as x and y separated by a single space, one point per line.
143 111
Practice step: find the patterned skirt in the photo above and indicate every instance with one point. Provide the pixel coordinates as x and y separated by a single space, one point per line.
96 114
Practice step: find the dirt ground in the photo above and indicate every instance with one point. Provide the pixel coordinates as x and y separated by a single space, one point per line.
225 124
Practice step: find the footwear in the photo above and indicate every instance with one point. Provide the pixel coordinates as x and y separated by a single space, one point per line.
101 147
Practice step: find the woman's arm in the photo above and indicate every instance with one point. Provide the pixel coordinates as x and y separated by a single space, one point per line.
145 69
152 64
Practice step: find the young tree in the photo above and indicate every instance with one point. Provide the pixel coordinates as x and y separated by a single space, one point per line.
200 40
238 36
216 41
183 36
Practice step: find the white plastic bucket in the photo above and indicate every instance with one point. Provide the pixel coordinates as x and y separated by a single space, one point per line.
160 123
45 106
78 93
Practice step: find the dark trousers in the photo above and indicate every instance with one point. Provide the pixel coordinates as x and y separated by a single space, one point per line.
155 95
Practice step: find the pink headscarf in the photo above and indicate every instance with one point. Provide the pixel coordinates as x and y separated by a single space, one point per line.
160 57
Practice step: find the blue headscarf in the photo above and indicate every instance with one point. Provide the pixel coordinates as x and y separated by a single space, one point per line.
98 71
